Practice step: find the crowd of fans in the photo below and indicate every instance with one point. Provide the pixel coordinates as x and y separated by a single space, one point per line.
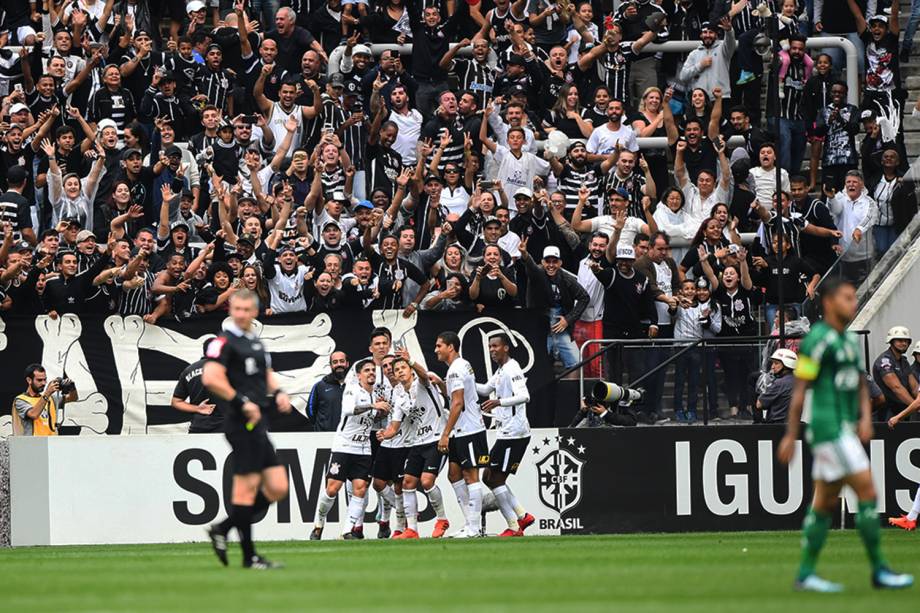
158 156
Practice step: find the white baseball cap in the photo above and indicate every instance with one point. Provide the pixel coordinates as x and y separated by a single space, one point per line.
106 123
551 251
625 252
361 49
18 108
194 6
523 191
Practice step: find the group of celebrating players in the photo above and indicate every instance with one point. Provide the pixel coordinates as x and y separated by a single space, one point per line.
399 425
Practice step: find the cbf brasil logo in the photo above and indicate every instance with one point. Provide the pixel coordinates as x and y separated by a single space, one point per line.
559 476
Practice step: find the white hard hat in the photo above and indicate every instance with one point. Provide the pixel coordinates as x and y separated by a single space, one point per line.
916 347
898 333
787 357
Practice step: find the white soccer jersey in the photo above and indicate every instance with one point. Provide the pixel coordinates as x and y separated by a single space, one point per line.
399 405
353 432
276 124
287 290
460 376
382 388
425 416
510 387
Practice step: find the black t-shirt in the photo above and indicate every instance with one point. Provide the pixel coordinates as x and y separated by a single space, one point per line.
796 272
883 70
246 361
739 311
702 158
291 48
190 389
492 293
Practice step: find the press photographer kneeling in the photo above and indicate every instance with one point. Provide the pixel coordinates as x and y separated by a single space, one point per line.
608 405
37 410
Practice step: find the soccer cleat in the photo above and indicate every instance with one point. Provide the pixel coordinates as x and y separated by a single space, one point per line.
466 533
218 544
510 532
359 532
408 533
383 529
440 527
352 536
814 583
886 579
259 563
396 534
459 534
316 534
525 522
902 522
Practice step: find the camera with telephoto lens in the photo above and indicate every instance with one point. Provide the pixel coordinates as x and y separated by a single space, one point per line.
606 392
66 385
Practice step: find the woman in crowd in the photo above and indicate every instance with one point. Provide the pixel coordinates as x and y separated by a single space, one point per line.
568 116
711 238
650 122
492 285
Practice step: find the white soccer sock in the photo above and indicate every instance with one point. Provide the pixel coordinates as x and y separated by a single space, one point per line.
364 501
504 503
355 511
489 501
463 494
518 509
474 509
915 510
387 502
400 507
436 500
410 504
322 509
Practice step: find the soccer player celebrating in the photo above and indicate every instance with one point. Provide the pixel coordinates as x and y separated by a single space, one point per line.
423 422
509 410
239 376
351 451
841 423
391 455
909 521
464 436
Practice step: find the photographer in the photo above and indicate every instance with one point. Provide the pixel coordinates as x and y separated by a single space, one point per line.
596 414
35 411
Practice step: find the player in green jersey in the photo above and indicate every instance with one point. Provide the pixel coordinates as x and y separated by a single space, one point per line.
829 379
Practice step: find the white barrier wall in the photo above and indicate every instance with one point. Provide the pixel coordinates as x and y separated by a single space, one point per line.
151 489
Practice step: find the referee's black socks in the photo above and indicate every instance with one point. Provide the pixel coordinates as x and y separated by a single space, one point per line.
242 519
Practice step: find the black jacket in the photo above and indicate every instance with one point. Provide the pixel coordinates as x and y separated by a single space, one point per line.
324 407
573 297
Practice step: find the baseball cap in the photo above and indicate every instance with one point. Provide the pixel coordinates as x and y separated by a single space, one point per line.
187 193
337 80
22 246
361 49
575 145
551 251
867 115
879 18
126 153
286 247
141 32
168 75
73 221
172 150
434 178
523 192
621 191
194 6
491 220
249 239
106 123
214 46
517 90
83 235
707 25
179 223
339 196
334 224
364 204
625 252
18 108
352 88
516 60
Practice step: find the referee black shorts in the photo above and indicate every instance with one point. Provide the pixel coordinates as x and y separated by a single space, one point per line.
471 451
252 451
349 467
390 463
506 454
424 459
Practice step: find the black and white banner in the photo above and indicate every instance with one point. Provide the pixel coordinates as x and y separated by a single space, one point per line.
126 369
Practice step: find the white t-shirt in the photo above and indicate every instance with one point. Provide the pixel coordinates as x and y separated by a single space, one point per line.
410 129
276 124
665 280
575 37
353 432
287 290
509 243
510 387
586 278
697 208
460 376
764 185
603 140
456 200
516 172
604 223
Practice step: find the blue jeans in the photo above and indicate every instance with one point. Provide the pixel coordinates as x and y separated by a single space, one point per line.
561 345
911 26
884 237
264 11
687 371
838 56
791 144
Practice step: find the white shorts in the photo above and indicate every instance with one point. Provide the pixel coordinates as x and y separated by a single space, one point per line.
834 460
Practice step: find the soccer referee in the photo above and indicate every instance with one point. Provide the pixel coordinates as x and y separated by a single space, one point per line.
239 376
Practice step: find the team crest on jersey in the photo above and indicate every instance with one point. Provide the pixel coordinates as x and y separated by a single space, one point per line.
334 468
560 481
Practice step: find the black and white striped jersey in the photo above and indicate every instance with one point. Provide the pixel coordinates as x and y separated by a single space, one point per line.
215 85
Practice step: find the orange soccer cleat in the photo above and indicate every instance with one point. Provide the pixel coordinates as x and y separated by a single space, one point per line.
903 522
510 532
526 521
408 533
440 527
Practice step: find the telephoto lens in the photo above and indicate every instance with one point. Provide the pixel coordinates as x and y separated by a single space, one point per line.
605 391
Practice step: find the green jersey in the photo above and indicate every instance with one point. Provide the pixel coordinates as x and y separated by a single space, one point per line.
830 361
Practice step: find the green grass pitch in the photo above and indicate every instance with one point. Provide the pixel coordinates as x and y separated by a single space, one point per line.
688 573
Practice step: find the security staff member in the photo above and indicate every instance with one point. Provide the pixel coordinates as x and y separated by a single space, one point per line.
240 379
35 411
893 374
190 396
325 404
